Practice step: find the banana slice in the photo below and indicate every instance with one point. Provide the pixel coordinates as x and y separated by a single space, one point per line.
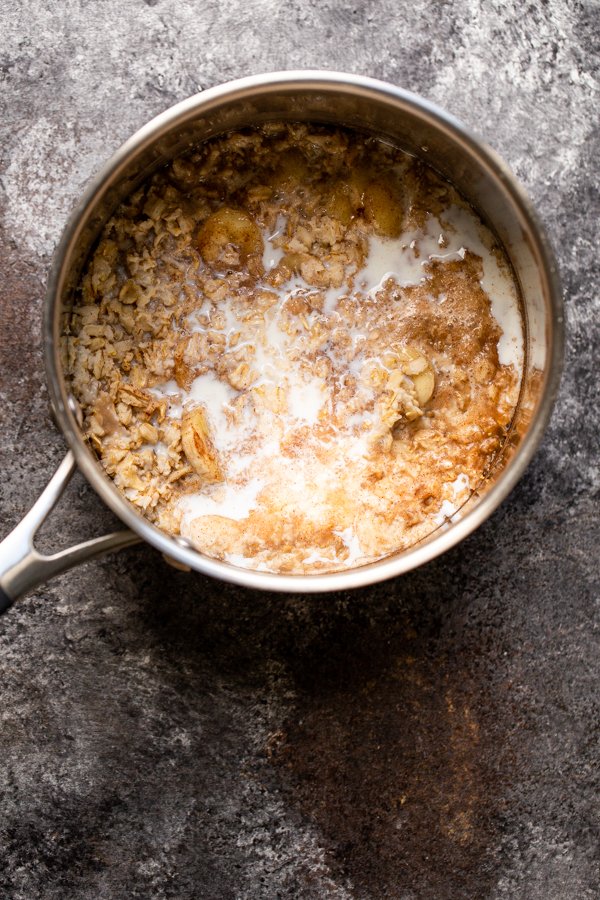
424 383
198 446
407 383
418 368
225 228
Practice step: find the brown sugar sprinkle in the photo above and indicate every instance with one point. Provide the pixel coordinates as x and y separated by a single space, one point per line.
285 348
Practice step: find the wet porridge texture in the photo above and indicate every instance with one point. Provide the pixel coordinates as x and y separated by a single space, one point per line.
167 736
297 347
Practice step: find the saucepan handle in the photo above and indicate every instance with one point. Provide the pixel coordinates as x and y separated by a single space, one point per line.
23 568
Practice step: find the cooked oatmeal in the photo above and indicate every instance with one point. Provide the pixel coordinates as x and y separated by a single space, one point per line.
298 347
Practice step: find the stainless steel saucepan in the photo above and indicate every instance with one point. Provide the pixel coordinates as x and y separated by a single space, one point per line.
325 97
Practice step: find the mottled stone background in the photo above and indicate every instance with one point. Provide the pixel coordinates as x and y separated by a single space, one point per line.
437 736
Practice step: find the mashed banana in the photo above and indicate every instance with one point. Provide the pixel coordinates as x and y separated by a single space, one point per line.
298 347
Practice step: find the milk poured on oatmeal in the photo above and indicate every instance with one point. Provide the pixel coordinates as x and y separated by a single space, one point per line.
320 336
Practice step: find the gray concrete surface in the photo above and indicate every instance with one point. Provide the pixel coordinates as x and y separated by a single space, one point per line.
165 736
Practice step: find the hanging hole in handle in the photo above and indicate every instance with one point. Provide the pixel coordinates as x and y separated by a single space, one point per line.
23 567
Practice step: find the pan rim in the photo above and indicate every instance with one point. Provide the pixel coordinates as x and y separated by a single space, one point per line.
401 100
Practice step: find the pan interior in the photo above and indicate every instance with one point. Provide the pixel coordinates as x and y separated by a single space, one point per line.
383 112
